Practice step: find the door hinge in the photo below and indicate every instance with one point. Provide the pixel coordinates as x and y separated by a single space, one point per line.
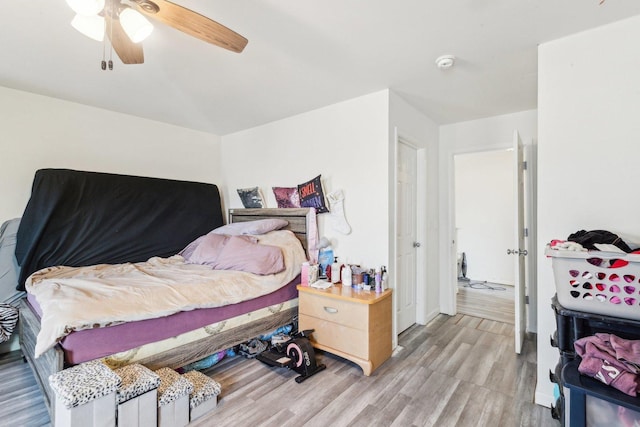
524 165
526 299
526 232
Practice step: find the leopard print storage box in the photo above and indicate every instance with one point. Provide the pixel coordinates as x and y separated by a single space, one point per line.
85 394
137 396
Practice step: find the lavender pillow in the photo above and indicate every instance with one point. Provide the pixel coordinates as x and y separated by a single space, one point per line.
209 247
251 257
260 226
287 197
187 252
240 253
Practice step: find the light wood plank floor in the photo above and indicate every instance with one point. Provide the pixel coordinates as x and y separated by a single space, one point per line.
490 304
456 371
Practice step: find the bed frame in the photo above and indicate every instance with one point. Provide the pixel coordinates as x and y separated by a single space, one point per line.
53 360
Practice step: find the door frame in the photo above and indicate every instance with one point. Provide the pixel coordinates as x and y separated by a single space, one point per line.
421 229
449 273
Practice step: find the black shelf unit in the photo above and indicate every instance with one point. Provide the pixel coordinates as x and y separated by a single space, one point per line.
578 392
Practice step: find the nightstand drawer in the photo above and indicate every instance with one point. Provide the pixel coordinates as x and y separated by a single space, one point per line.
351 314
336 336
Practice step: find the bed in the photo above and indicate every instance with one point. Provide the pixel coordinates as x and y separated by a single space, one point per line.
70 220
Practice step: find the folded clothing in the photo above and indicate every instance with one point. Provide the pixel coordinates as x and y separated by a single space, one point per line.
612 360
567 246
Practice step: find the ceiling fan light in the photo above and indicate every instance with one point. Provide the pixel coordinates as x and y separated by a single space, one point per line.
135 25
86 7
90 26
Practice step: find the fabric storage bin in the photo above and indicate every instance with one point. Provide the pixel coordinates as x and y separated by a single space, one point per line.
598 282
85 395
137 396
173 398
590 403
204 396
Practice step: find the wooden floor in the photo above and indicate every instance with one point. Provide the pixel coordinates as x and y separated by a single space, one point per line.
481 300
21 402
456 371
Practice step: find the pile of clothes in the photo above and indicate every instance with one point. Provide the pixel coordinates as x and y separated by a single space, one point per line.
594 240
613 360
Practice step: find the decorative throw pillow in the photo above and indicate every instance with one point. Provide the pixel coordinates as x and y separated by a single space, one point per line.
251 197
312 195
287 197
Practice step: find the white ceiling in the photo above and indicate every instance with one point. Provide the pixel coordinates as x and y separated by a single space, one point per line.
302 55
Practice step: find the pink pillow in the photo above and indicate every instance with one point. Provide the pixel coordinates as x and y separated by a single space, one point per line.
287 197
241 253
188 250
208 249
244 255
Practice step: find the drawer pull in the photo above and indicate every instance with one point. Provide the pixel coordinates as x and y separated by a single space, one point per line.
330 310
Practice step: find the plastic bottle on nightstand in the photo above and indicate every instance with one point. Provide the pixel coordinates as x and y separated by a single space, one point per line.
346 276
385 279
335 271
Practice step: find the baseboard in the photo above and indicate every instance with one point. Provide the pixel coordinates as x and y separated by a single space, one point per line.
430 316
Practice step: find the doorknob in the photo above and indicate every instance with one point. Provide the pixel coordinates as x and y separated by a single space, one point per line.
416 244
517 252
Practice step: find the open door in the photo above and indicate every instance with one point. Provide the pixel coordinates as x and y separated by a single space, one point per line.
519 252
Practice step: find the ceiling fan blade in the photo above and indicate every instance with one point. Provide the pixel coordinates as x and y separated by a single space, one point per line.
128 51
192 23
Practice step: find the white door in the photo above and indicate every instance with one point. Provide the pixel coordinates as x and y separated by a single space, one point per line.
406 242
519 249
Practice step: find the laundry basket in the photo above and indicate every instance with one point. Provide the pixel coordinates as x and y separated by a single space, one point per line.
597 282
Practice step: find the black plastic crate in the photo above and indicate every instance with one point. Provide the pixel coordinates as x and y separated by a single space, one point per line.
573 325
588 402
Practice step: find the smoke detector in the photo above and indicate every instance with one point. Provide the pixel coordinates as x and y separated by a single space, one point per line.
445 61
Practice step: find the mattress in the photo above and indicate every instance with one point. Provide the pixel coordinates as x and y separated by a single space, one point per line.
136 340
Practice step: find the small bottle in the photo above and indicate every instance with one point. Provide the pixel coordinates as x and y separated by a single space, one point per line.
335 271
346 276
304 274
378 280
384 284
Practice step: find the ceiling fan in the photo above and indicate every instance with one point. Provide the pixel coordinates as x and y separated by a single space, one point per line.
124 23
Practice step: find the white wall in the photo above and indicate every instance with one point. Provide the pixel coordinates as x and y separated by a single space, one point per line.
485 223
493 133
588 103
41 132
347 144
352 144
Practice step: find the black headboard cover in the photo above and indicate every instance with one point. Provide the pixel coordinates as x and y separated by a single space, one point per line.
77 218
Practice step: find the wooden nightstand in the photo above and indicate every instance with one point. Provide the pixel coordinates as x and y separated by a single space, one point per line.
349 323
